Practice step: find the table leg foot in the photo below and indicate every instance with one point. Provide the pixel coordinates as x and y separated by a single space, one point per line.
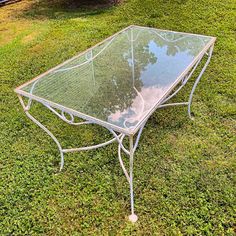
133 218
191 117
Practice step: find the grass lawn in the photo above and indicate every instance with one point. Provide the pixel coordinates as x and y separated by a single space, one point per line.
184 172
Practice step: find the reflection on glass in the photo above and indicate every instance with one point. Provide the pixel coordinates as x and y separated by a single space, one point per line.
120 80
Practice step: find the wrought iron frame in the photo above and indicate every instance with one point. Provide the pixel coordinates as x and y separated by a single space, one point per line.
118 134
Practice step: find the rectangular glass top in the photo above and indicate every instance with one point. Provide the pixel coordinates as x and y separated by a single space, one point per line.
119 82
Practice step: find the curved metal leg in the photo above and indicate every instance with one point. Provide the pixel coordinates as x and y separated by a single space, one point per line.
133 217
132 147
163 104
26 110
121 161
191 98
196 83
51 135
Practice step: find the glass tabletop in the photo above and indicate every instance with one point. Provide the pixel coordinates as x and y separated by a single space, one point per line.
122 79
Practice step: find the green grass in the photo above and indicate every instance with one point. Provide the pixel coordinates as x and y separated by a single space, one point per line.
185 180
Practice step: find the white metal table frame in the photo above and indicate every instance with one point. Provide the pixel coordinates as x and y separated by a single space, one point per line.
118 133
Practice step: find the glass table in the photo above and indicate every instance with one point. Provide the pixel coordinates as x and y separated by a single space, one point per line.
118 84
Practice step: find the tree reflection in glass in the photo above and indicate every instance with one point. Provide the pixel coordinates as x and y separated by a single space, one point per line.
120 80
